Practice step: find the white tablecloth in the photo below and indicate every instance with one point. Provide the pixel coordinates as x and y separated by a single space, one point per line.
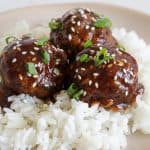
142 5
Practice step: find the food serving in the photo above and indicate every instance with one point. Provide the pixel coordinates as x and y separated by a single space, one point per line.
76 84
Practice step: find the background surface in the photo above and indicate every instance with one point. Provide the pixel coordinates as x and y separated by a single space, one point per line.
142 5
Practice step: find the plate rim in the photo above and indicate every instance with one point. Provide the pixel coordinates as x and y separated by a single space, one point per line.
135 11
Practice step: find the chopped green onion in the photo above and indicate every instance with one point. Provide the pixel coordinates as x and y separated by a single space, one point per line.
42 41
55 24
73 91
10 39
102 56
45 57
121 48
84 58
88 44
103 23
30 68
78 94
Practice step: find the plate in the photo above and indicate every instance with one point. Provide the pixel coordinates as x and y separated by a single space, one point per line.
121 17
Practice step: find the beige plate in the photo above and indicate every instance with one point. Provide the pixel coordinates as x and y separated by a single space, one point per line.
121 17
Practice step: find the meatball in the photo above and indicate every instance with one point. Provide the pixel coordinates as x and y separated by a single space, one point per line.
107 77
34 67
76 27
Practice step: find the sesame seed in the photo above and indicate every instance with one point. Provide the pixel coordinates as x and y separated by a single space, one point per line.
73 22
74 17
98 44
72 29
83 69
126 80
84 93
131 72
35 76
119 52
79 77
96 85
36 65
24 52
95 74
17 42
70 37
115 78
124 60
100 48
78 23
18 48
84 16
76 70
81 11
57 61
87 27
32 53
92 51
126 93
93 19
88 10
29 75
14 60
113 55
92 28
34 59
120 63
114 62
110 65
36 48
14 47
20 77
46 85
34 84
124 70
49 51
56 71
117 82
54 47
18 45
90 82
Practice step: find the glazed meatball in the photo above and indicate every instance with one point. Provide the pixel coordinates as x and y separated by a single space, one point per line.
107 77
31 66
77 26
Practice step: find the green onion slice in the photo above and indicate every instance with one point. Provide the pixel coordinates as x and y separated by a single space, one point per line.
73 91
10 39
84 58
30 68
103 23
88 44
102 56
78 94
55 24
45 57
42 41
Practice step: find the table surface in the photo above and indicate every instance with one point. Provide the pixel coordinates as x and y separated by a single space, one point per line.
141 5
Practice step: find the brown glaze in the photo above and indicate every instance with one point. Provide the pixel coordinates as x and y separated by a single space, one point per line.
4 94
14 74
113 85
78 27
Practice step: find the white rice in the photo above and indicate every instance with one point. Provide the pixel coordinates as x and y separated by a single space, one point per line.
70 124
